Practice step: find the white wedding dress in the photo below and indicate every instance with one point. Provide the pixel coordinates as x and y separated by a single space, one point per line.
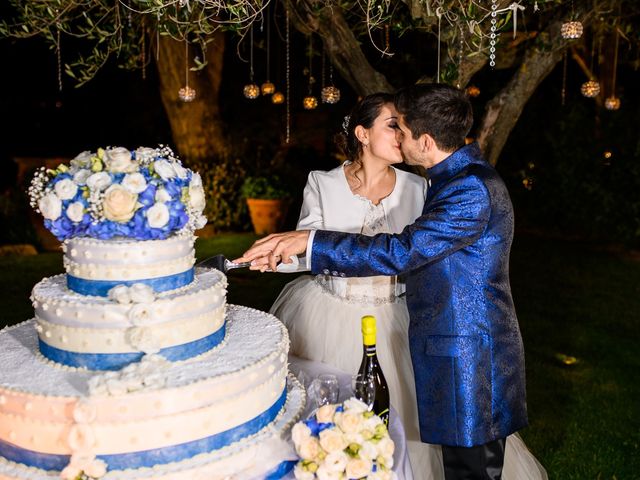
323 312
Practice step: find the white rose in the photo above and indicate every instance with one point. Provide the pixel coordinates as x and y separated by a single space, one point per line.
196 198
368 450
385 447
323 473
354 438
380 474
385 462
164 169
50 206
120 294
118 160
372 422
349 422
70 472
301 474
81 176
145 153
162 195
82 160
332 440
81 437
119 204
141 314
95 469
325 413
181 172
66 189
99 181
200 221
196 180
353 405
84 411
75 212
358 468
142 339
158 215
300 432
308 448
141 293
336 461
134 182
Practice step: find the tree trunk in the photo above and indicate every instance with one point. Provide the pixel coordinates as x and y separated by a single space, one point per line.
196 126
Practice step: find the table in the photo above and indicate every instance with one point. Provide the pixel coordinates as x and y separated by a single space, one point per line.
306 371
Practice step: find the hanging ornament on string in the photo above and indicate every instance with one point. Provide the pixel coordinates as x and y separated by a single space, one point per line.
612 102
572 29
186 93
329 94
59 57
591 88
563 91
251 90
287 73
267 88
310 101
277 98
493 35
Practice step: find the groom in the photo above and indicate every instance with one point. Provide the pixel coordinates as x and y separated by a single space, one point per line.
464 337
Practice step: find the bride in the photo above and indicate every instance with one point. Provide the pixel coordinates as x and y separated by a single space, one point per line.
322 313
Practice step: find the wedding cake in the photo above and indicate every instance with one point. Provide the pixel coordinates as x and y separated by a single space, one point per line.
134 365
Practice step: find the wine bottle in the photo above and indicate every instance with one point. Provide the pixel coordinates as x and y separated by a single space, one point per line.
371 386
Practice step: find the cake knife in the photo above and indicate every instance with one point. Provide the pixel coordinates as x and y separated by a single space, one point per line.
220 262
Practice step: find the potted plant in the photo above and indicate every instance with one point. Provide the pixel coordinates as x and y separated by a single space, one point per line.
268 202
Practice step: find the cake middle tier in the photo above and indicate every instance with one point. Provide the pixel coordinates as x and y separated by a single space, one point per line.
99 333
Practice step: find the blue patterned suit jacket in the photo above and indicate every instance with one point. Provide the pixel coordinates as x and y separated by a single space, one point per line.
465 342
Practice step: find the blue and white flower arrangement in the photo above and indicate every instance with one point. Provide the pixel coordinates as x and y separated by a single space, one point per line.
346 441
142 194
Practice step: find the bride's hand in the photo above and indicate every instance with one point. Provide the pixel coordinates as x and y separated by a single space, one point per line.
267 252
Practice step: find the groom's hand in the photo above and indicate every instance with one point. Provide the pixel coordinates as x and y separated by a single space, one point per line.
267 252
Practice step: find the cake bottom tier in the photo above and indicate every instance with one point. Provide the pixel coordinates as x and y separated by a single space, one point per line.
266 455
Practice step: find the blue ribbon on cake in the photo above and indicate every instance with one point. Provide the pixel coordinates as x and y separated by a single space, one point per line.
149 458
117 361
100 288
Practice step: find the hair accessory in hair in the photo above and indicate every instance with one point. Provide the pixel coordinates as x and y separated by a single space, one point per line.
345 124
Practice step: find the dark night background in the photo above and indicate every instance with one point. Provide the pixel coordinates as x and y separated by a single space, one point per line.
558 150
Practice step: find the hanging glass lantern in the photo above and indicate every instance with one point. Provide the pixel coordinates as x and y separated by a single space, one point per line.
612 103
590 89
473 91
267 88
330 94
187 94
571 30
251 91
309 102
277 98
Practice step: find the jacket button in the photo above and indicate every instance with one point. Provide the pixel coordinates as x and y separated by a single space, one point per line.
325 271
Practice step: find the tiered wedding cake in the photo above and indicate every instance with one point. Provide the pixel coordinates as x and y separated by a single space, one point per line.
134 366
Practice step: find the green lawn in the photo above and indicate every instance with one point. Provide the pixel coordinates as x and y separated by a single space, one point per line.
571 300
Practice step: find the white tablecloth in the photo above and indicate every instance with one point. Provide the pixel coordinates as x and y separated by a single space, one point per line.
306 371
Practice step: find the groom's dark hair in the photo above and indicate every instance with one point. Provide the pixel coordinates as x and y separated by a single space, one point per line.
442 111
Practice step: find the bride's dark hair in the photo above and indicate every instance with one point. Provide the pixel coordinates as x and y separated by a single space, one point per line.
364 113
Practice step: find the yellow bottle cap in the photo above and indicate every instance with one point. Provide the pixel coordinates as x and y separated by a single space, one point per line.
369 330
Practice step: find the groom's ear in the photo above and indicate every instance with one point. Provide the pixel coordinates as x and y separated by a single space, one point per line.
426 142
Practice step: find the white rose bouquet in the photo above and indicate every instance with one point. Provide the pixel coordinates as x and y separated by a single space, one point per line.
142 194
344 441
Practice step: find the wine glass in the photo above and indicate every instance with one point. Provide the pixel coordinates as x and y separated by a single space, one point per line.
324 390
364 389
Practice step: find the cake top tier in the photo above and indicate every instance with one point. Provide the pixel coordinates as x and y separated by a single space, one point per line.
142 194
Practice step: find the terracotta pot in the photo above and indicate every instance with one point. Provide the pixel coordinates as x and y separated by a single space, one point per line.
267 216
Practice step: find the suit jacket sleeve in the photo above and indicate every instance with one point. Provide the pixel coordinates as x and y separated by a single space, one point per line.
453 219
